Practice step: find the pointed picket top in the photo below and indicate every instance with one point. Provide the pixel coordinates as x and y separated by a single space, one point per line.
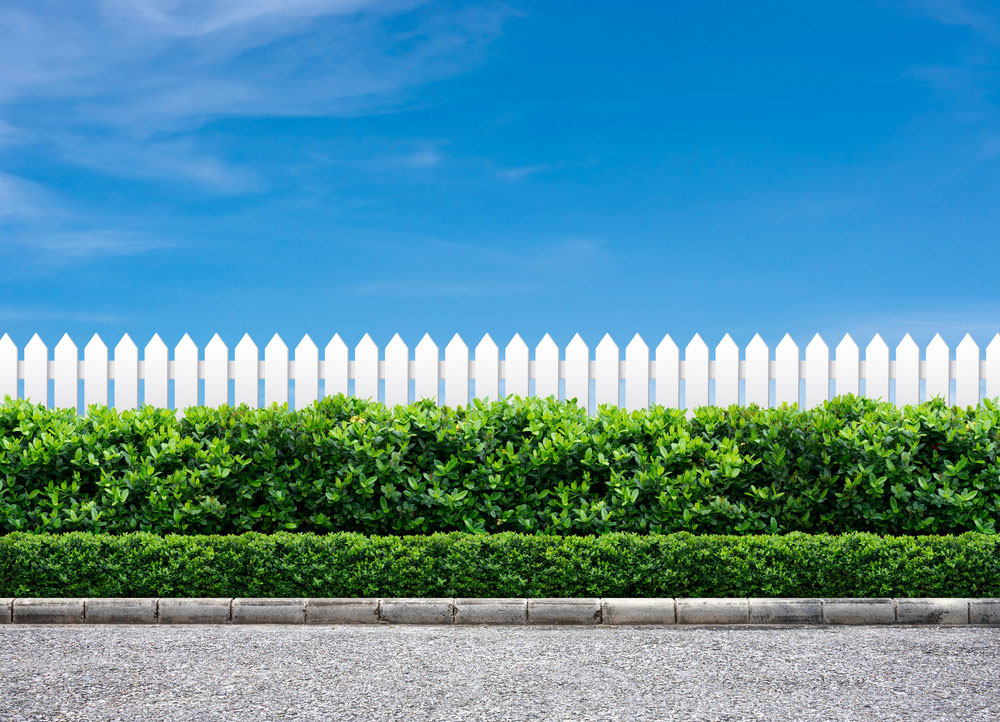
8 368
306 372
456 372
216 344
758 383
397 379
155 344
636 374
456 343
486 344
817 372
846 345
967 372
186 344
666 345
426 382
335 346
276 345
125 345
908 344
335 367
36 371
306 345
577 342
487 369
848 367
938 383
216 372
696 373
95 345
546 368
516 367
366 369
606 383
246 344
727 372
65 345
95 372
877 369
786 371
65 386
818 345
667 373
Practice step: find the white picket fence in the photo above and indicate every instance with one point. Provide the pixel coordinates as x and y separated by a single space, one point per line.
664 378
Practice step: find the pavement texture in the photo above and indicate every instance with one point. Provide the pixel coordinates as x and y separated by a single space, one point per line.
70 672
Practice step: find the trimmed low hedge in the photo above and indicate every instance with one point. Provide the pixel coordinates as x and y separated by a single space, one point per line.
524 465
501 565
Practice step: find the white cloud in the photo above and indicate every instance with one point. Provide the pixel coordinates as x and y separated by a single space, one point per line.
121 85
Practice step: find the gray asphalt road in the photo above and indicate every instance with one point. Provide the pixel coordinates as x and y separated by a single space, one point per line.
491 673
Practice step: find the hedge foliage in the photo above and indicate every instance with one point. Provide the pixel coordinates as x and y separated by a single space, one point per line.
501 565
524 465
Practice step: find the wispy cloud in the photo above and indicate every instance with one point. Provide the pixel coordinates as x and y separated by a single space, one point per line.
121 84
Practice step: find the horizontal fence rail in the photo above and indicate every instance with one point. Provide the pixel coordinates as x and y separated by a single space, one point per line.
643 377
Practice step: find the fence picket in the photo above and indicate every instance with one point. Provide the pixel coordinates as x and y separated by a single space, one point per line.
8 368
397 375
426 376
516 367
546 368
456 372
696 373
487 370
185 374
817 372
65 386
668 373
336 366
276 371
306 372
606 384
578 372
877 369
727 372
786 372
156 382
126 374
938 385
366 369
246 385
36 371
907 371
966 372
216 372
848 367
95 372
758 382
993 368
636 374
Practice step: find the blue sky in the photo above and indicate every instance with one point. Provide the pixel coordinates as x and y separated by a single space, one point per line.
363 166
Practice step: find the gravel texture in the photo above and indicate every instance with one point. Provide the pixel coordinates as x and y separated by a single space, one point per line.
498 673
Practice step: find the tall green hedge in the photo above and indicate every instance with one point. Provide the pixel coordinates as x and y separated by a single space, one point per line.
501 565
531 466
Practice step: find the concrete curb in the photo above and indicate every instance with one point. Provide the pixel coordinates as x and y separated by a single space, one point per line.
516 611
